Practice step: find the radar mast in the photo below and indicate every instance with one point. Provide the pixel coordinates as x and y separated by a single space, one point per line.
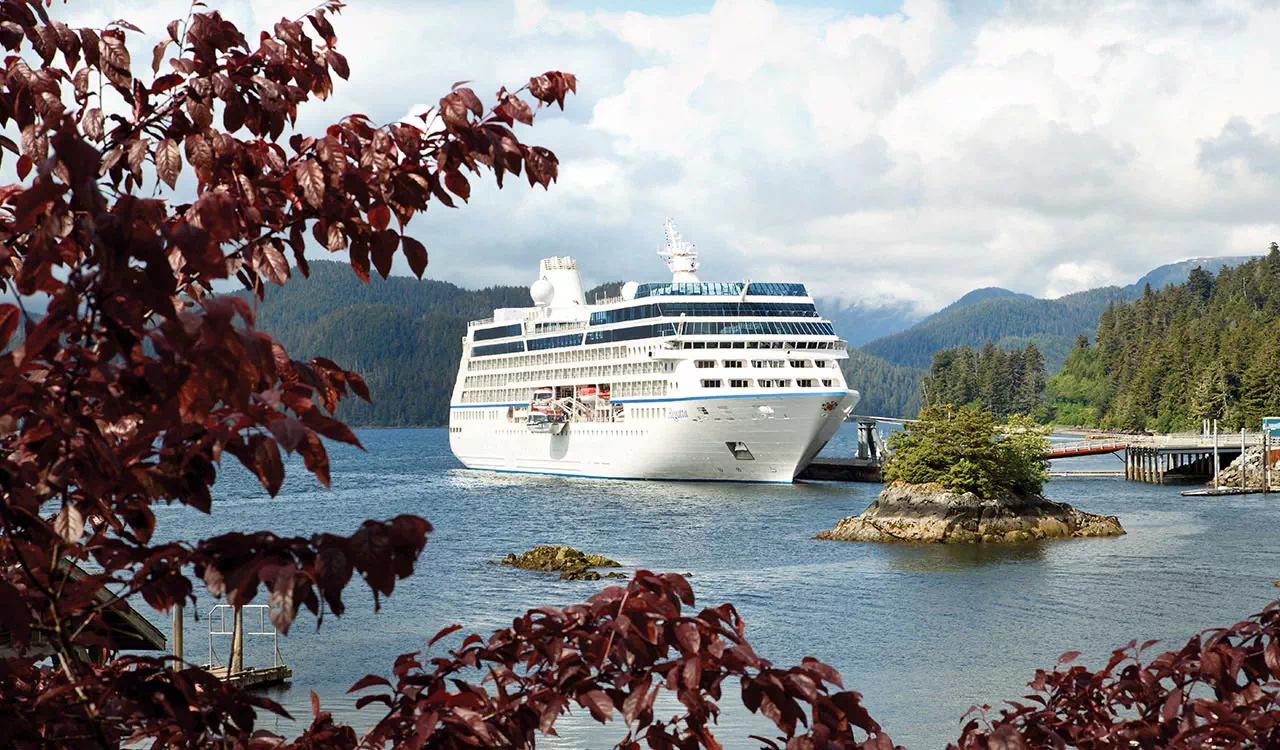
681 257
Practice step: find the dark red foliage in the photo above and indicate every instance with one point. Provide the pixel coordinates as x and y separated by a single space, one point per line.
138 382
1220 690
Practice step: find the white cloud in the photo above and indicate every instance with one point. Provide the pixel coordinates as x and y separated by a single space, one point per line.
1044 146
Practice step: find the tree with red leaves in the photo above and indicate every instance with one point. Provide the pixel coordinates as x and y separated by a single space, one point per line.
138 381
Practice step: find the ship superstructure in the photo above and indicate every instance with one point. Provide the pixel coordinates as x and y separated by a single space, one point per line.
684 379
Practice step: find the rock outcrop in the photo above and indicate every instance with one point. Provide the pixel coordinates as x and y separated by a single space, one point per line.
930 513
1251 464
573 565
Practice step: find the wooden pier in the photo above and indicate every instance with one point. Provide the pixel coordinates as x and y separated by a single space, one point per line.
843 470
234 671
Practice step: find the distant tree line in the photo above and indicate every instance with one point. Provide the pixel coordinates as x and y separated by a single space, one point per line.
1208 349
1002 381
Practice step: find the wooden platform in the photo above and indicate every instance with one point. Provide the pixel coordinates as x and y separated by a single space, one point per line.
1219 492
252 678
1085 474
843 470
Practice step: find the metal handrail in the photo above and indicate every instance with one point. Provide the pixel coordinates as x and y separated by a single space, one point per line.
263 611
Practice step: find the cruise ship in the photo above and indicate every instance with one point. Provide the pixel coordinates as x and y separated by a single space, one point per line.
678 380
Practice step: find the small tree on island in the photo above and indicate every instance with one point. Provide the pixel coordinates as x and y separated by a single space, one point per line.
964 449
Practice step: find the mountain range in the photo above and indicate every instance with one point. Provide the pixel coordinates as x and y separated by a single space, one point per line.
405 336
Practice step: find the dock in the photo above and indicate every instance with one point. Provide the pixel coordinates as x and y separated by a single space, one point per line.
843 470
253 677
234 672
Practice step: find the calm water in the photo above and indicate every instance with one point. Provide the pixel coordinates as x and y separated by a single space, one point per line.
922 632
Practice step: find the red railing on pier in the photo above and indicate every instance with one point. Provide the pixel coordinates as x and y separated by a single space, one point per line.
1084 449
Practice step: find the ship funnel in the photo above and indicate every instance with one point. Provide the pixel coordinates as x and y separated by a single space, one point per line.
680 256
562 274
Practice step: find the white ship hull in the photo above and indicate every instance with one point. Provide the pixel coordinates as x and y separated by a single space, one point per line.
781 433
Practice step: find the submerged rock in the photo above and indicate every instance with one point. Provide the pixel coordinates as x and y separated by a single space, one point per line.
574 565
930 513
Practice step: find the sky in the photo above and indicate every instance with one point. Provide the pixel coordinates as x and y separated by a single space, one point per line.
881 152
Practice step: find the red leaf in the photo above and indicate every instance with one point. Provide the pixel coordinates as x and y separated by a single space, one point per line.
1068 657
687 635
264 461
337 63
1172 706
443 632
270 263
457 183
598 704
384 250
69 524
1272 656
311 179
289 432
168 161
415 253
379 216
367 681
8 323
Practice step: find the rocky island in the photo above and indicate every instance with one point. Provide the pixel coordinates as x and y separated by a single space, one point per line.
957 477
572 564
930 513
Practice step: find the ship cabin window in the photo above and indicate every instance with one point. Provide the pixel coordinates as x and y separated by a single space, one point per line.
739 383
827 382
800 363
711 384
703 364
822 363
699 345
805 382
733 363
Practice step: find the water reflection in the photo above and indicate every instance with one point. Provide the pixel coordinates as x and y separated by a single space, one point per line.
941 558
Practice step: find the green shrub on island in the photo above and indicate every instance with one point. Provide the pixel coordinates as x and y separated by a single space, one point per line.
966 450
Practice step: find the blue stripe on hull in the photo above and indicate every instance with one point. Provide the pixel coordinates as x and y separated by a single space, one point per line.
632 479
673 400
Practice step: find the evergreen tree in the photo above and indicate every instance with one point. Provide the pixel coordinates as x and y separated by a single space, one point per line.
1032 385
1003 382
1200 284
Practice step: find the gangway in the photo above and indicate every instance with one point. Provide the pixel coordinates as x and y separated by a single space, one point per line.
1084 449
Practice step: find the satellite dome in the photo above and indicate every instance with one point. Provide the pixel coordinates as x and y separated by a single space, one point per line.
629 290
542 291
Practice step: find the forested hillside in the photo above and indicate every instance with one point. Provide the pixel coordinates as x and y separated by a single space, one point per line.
403 335
1004 382
888 390
1007 321
1207 349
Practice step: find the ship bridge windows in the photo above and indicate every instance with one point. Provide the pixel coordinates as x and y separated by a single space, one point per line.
630 334
721 289
752 327
705 310
555 342
491 349
499 332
